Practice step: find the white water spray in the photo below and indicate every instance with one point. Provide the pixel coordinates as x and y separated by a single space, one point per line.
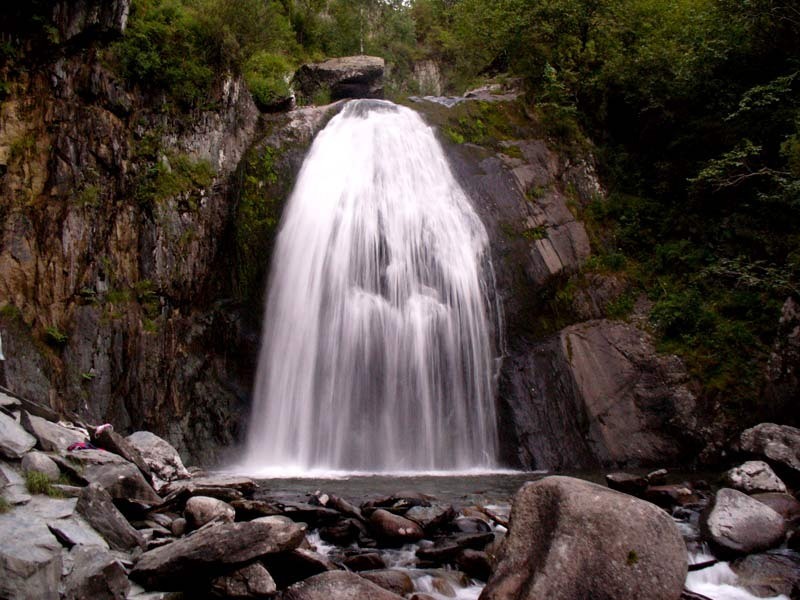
376 353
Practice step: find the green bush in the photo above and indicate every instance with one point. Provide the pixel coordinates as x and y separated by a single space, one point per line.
267 76
39 483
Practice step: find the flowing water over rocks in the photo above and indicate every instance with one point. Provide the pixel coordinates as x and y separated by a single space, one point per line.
376 353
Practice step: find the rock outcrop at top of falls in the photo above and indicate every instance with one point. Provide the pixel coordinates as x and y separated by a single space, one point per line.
339 78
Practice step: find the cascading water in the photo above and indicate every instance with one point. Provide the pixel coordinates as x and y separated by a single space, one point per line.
376 353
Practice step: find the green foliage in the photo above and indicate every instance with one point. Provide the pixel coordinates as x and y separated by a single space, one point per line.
39 483
5 505
171 175
55 337
267 76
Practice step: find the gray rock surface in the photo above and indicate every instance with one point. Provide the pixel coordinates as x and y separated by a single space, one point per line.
14 440
120 478
394 529
572 539
251 581
15 491
785 505
163 460
392 580
40 463
345 77
201 510
110 440
30 558
770 574
51 437
97 507
337 585
76 17
209 551
755 477
76 531
779 444
737 524
290 567
96 575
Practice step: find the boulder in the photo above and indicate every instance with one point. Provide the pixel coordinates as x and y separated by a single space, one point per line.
242 485
96 574
202 509
76 531
779 444
209 551
573 539
341 533
754 477
670 496
51 437
735 524
338 78
14 440
299 564
390 579
474 563
250 581
446 550
337 585
178 527
364 561
97 507
40 463
393 529
770 574
469 525
626 483
120 478
110 440
431 518
785 505
14 489
163 460
30 558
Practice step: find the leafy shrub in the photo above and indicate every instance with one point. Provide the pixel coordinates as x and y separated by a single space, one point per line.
39 483
267 77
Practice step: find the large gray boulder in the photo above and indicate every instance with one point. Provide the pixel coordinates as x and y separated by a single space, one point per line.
251 581
110 440
163 460
778 444
209 551
30 558
96 575
14 440
202 509
754 477
121 479
572 539
737 524
337 585
51 437
393 529
97 507
39 462
770 574
346 77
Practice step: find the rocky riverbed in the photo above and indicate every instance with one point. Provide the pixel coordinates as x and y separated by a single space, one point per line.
122 517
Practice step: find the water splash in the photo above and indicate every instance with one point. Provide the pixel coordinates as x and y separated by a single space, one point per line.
376 353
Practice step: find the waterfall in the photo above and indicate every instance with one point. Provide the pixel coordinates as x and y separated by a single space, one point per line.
376 353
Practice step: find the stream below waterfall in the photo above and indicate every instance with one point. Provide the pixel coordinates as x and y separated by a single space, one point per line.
492 490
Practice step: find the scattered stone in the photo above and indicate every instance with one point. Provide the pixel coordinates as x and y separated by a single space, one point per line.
202 509
431 518
755 477
247 510
209 551
337 585
96 574
364 561
40 463
394 529
51 437
785 505
657 477
251 581
68 491
670 496
290 567
780 444
120 478
164 461
342 533
446 550
469 525
738 524
243 485
308 513
96 506
626 483
389 579
14 491
30 558
179 527
14 440
560 526
344 507
770 574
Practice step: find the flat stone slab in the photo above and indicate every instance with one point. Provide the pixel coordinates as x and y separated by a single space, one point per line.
14 440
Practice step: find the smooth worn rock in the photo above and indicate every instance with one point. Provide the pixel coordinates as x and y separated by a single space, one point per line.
110 440
390 579
341 533
431 518
337 585
97 507
754 477
446 550
247 510
290 567
120 478
202 509
14 490
469 525
474 563
770 574
779 444
315 516
250 581
393 529
207 552
51 437
346 77
14 440
242 485
40 463
785 505
364 561
737 524
179 527
573 539
164 461
96 575
669 496
30 558
626 483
